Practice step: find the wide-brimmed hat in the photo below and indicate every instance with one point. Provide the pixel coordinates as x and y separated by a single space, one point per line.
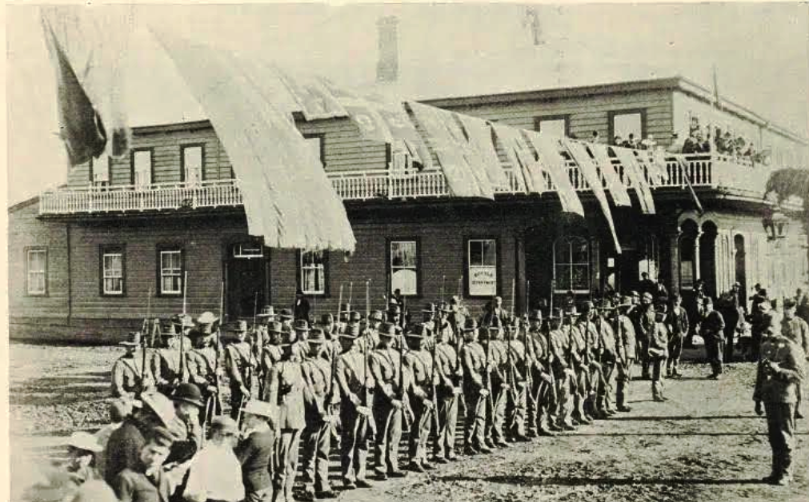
420 331
536 315
183 320
626 301
647 296
376 316
275 327
225 424
470 324
354 316
790 303
133 340
286 314
394 308
267 311
259 408
241 327
84 441
301 325
316 335
352 331
387 329
207 318
160 405
188 393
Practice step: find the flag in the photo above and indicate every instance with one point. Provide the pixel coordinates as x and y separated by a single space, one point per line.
687 179
87 47
553 163
588 169
361 112
288 199
402 128
657 173
315 100
461 177
657 158
479 135
618 192
474 159
633 171
521 158
716 102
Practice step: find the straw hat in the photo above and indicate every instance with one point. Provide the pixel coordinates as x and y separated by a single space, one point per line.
207 318
258 408
84 441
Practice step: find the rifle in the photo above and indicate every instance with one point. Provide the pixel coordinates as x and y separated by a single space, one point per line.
350 291
337 319
147 322
434 398
443 278
367 301
513 294
218 403
182 336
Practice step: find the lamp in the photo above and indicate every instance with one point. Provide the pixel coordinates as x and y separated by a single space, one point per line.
775 224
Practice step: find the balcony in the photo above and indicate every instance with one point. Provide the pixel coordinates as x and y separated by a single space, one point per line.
703 170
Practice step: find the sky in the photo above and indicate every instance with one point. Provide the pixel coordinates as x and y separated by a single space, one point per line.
760 51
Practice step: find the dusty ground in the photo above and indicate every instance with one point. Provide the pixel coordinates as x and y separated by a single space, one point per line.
704 444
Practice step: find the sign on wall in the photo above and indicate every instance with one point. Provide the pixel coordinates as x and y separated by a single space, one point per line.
482 281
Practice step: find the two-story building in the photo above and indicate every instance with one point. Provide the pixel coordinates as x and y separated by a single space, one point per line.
91 257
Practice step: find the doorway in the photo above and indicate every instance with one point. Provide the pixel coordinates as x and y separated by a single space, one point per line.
741 271
247 280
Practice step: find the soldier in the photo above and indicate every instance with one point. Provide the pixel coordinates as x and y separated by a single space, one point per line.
203 365
780 373
449 371
499 385
677 321
580 384
271 353
658 351
495 310
300 349
240 363
563 374
625 351
318 373
517 362
608 359
285 389
173 355
355 381
419 364
386 369
712 328
592 356
475 389
259 335
644 319
286 317
796 330
129 376
542 394
395 314
428 316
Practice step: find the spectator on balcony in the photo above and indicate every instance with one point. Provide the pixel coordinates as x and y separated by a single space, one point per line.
617 141
632 142
676 146
648 143
595 138
692 143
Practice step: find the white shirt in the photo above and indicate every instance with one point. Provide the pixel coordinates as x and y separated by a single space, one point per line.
215 473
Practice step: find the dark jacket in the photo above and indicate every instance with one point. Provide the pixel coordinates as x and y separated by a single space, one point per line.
123 449
301 309
678 322
254 454
713 325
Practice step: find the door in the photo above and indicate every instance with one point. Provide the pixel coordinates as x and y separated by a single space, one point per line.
246 280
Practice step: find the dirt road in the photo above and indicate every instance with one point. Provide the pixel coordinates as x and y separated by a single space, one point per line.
704 444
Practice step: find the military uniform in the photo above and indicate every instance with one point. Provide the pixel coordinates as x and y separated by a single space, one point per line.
713 327
608 360
448 387
495 435
202 368
678 321
129 375
285 388
172 360
625 347
657 354
592 357
644 320
516 365
239 363
581 382
797 331
780 374
476 392
563 375
354 380
318 375
419 364
385 365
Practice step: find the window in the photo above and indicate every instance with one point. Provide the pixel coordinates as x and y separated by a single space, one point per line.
100 169
171 271
36 267
112 270
556 125
317 145
571 257
482 267
142 168
193 159
624 123
687 272
312 266
404 266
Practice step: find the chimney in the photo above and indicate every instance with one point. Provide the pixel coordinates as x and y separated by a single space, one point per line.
387 67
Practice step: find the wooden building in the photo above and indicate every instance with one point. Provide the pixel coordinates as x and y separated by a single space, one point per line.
88 258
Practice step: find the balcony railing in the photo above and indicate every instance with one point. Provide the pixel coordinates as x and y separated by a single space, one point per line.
703 170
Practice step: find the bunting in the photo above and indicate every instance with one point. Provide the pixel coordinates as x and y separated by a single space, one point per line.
361 112
460 176
554 164
402 128
479 135
588 169
687 179
657 158
655 174
475 161
618 192
633 171
519 155
269 155
315 100
88 47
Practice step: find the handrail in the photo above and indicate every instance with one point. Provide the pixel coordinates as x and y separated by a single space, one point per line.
703 170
